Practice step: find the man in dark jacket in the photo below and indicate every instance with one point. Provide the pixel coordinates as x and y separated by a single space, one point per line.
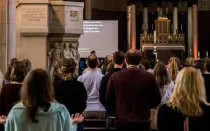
118 59
135 92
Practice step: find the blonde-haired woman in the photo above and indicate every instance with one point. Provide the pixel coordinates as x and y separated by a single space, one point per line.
163 80
190 61
173 68
188 100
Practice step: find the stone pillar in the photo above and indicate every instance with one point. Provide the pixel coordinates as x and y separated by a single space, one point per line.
195 30
32 31
66 27
45 28
131 25
11 29
175 20
3 35
88 10
190 31
145 20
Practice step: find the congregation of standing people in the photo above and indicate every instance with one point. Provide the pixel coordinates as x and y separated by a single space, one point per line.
172 97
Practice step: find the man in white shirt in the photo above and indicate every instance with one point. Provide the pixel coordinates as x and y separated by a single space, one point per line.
92 80
152 64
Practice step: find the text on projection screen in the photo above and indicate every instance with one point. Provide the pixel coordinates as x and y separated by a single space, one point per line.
100 36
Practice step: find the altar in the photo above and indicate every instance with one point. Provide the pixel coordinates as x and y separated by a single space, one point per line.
162 41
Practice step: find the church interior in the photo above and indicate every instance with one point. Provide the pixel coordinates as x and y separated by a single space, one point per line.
62 37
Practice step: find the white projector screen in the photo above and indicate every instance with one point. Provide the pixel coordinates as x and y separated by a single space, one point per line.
100 36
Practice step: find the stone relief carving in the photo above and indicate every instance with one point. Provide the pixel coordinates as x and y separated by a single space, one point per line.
60 50
74 16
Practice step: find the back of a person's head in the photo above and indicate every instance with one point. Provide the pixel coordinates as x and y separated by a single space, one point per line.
152 64
110 67
12 61
28 64
119 57
68 69
152 57
68 66
190 61
189 92
207 65
161 74
178 62
93 52
133 57
9 68
173 68
109 58
92 61
37 91
18 72
199 64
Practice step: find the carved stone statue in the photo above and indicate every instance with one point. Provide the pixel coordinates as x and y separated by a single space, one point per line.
58 52
55 55
67 51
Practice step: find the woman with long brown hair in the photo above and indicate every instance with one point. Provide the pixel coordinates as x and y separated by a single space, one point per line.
188 100
38 110
163 80
10 92
8 72
27 64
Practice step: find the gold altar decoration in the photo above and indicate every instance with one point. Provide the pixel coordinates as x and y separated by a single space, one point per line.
162 26
161 38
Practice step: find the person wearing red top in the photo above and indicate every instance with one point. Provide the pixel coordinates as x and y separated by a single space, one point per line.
134 93
10 93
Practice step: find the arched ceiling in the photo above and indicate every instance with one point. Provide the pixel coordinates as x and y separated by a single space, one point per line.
121 5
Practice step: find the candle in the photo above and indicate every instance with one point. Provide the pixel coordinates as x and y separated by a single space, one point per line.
155 49
190 52
198 53
155 37
207 53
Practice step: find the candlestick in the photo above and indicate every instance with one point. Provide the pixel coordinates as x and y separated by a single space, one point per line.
198 53
155 49
190 52
207 53
155 37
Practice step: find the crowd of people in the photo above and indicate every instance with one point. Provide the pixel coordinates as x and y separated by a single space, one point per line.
121 87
